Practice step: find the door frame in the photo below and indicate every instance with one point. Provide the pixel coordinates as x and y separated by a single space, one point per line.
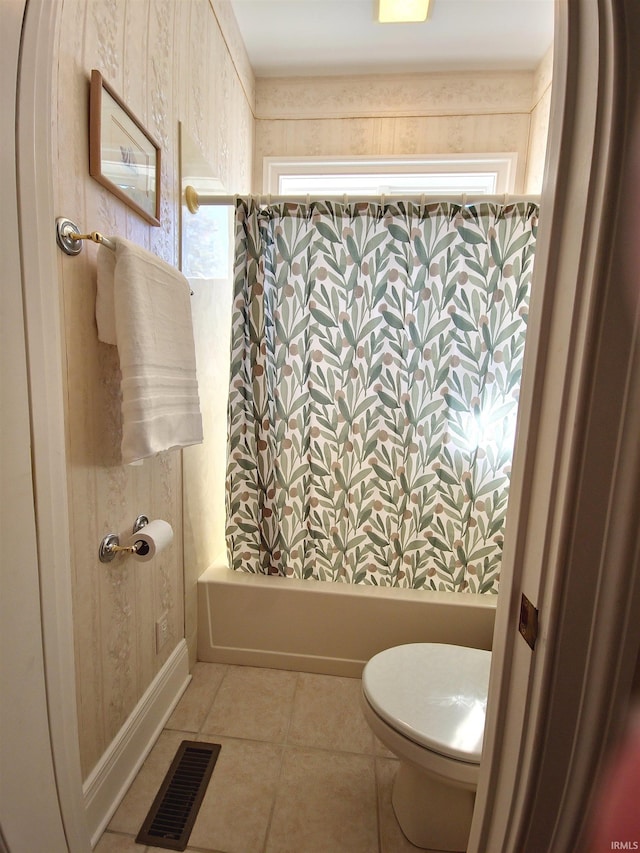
40 260
27 778
572 535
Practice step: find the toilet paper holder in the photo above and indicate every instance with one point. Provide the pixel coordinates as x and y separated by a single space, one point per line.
110 545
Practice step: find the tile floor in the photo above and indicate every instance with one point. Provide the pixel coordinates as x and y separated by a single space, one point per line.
299 770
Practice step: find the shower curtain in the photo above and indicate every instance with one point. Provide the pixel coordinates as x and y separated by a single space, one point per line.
375 371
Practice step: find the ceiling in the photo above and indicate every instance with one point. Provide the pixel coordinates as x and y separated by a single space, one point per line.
324 37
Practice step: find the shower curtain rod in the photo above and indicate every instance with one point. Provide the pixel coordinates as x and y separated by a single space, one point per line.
194 199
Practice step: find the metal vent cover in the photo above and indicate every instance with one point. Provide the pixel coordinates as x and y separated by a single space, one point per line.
175 808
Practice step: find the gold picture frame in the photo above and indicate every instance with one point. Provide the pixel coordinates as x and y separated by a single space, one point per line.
123 156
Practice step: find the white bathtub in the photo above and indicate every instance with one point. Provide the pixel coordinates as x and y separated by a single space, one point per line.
328 628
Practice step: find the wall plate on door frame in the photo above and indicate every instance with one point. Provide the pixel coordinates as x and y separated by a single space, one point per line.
528 625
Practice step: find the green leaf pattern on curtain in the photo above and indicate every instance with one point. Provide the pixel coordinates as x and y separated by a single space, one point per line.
375 371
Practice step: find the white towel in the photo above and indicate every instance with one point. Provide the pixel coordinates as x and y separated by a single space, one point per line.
143 307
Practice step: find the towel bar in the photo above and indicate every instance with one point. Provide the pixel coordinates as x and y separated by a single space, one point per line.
70 239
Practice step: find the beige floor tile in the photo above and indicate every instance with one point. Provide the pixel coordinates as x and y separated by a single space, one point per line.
326 803
392 839
327 714
382 750
252 703
192 709
235 812
137 801
113 843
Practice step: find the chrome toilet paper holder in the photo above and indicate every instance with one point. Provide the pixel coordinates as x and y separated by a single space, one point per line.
110 545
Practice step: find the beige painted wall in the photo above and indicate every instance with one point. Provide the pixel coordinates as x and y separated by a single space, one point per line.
412 114
539 126
205 465
170 62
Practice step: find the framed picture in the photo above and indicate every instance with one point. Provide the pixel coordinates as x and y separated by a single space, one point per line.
123 156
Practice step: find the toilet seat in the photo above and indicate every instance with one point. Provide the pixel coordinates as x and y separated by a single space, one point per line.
432 693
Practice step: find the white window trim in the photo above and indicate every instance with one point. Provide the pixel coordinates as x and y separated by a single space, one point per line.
500 167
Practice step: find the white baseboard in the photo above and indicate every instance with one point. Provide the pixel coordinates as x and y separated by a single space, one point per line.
111 777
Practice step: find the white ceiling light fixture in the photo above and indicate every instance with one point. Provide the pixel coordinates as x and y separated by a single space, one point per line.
402 11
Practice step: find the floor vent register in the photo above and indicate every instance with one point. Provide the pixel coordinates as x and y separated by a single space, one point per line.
175 808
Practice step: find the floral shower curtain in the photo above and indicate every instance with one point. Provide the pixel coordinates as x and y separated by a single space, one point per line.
375 370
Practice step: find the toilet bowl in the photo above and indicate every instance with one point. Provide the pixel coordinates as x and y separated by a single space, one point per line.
426 702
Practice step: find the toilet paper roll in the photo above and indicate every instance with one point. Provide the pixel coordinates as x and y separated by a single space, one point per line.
154 537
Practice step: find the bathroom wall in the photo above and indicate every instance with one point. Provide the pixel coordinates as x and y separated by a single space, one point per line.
411 114
539 126
171 62
185 62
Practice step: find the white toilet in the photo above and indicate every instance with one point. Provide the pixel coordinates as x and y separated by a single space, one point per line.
426 702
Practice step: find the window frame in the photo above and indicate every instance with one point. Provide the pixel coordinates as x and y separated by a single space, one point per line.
502 166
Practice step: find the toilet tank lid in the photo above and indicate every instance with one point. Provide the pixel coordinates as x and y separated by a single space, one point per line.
433 693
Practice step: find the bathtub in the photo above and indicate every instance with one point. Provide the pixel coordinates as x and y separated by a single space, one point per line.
330 628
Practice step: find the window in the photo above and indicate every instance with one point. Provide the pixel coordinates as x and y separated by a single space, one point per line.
477 174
